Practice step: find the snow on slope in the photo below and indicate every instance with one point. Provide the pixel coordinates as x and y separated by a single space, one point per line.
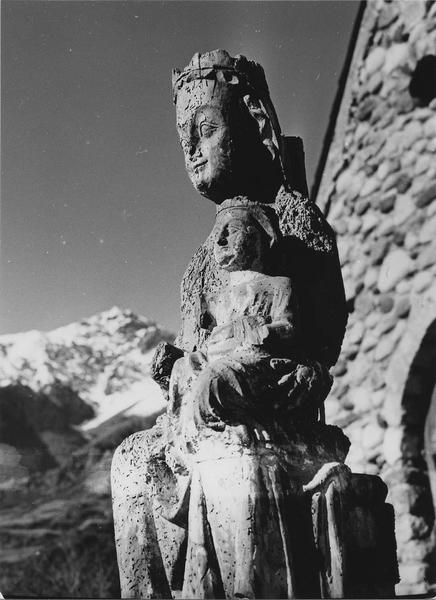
105 358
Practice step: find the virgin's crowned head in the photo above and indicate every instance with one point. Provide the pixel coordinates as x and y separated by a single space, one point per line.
228 128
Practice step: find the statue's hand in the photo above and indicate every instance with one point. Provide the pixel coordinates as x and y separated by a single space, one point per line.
221 341
251 330
303 383
221 333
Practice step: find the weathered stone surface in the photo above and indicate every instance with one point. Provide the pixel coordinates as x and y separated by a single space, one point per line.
423 164
413 12
389 182
263 316
362 206
369 341
428 231
371 277
374 83
364 303
426 258
386 324
386 16
411 527
354 225
404 209
385 347
343 250
372 436
386 227
426 196
369 187
414 573
402 307
355 333
344 181
392 414
360 398
387 167
430 127
403 183
365 108
378 397
375 60
386 303
399 252
396 265
369 222
387 203
411 240
431 209
403 286
422 280
358 268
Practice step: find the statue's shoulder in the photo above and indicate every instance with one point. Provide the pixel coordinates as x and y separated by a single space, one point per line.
312 262
301 219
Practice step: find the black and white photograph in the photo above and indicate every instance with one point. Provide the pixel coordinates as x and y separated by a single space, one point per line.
218 299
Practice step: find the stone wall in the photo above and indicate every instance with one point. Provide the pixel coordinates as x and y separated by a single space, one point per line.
378 188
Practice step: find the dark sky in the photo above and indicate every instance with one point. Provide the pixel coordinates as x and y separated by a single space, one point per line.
96 207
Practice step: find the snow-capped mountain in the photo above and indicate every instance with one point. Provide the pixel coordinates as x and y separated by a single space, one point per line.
67 399
105 359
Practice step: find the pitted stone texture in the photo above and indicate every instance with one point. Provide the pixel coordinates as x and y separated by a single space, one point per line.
393 152
212 501
313 266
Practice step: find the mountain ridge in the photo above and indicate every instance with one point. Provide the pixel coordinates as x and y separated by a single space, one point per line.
104 358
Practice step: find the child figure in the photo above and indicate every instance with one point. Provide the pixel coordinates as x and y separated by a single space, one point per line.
255 324
225 447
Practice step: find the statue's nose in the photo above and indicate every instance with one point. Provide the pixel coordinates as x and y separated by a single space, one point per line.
222 239
193 148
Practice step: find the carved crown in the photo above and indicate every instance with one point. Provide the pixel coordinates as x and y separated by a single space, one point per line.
218 65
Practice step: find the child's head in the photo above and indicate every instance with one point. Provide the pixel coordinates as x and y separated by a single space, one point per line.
245 233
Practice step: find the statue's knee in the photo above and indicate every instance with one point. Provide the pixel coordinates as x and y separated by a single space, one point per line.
130 465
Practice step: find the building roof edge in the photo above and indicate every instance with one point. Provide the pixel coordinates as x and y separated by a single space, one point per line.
353 49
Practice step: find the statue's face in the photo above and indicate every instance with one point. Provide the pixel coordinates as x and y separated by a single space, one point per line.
224 155
205 136
239 245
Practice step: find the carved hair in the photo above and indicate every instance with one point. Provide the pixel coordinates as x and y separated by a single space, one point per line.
248 77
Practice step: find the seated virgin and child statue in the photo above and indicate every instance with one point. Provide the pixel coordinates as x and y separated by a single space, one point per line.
240 490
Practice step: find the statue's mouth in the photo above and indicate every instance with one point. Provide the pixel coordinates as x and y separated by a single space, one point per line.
199 165
224 257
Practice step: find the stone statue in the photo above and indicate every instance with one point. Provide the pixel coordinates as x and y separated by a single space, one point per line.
239 490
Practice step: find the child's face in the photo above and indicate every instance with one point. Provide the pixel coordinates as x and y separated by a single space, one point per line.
239 244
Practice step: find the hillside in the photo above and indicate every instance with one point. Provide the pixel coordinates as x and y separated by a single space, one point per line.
67 399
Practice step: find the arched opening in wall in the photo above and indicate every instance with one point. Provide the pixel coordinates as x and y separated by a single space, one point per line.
422 86
419 445
430 444
430 456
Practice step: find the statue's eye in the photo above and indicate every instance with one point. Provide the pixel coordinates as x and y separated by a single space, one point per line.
184 144
235 228
207 129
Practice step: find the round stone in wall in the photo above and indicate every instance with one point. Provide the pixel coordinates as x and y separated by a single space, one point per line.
396 265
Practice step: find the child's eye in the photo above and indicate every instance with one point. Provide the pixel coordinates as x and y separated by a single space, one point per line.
206 129
235 229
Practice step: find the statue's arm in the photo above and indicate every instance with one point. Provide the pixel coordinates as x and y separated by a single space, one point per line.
278 330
